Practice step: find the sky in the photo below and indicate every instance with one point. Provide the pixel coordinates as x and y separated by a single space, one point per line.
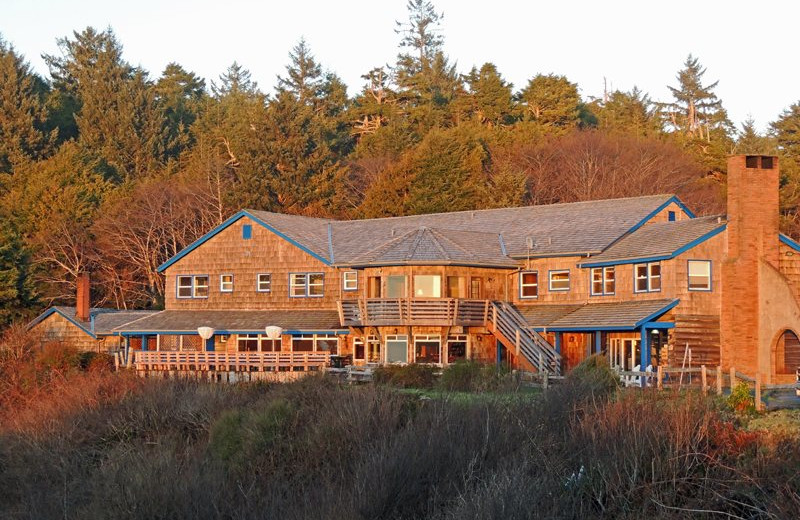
749 47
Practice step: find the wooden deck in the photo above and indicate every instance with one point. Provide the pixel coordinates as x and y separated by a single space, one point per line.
413 311
230 362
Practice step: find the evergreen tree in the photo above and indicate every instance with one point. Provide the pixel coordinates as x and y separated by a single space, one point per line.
304 78
749 141
179 96
787 133
629 112
17 291
22 111
552 101
488 98
235 81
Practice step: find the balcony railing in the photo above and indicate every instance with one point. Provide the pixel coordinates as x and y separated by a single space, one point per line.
413 311
230 361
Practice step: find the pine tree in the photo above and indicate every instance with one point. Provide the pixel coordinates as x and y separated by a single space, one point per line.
488 98
304 78
23 136
179 95
696 110
17 290
629 112
552 101
787 132
750 142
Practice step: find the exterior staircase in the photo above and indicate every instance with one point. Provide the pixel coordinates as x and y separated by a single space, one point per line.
510 327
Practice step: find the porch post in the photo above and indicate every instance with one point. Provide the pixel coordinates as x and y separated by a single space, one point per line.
558 342
499 355
144 343
598 340
644 351
210 344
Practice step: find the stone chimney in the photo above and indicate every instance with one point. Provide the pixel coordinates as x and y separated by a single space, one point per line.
752 234
82 298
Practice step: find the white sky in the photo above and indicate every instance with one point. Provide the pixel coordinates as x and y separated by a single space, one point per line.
750 47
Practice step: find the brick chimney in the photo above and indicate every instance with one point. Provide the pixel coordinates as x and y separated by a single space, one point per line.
82 298
752 234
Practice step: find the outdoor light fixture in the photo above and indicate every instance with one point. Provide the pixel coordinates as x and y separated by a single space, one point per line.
273 332
205 332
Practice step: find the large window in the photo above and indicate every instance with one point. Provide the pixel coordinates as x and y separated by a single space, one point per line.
647 277
529 284
427 349
303 285
456 287
603 280
264 282
456 348
427 286
257 343
397 349
699 275
559 280
175 342
327 343
396 286
350 280
226 283
192 286
369 352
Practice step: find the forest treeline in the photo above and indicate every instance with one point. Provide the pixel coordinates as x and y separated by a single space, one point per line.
105 168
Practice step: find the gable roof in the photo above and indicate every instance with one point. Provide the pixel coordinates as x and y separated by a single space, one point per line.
101 321
659 241
427 246
567 229
627 315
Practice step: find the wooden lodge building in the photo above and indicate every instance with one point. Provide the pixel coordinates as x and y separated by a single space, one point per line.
541 287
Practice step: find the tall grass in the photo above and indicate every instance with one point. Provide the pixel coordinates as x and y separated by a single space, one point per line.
317 449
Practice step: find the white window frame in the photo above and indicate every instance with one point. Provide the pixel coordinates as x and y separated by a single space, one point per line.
649 277
523 285
179 286
604 280
304 281
550 280
350 281
226 287
689 264
195 286
261 283
428 338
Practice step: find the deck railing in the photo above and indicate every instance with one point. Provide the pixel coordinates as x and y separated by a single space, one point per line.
413 311
230 361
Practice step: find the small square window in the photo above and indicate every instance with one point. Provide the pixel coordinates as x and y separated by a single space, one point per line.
671 216
559 280
529 284
185 287
226 283
247 231
200 288
264 282
350 280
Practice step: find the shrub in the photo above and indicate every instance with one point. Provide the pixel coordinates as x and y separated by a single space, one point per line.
740 399
406 376
471 376
595 376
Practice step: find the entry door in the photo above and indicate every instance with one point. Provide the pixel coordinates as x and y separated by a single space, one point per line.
374 287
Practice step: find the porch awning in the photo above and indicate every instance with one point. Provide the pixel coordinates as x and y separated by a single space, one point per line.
232 322
627 315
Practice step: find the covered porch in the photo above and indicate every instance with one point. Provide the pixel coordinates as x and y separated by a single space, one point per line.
632 335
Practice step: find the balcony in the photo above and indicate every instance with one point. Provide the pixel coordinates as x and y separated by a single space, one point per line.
373 312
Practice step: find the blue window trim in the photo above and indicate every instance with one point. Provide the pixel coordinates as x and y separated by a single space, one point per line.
649 278
603 281
192 276
538 283
671 216
344 283
550 280
247 231
258 285
710 276
220 283
307 276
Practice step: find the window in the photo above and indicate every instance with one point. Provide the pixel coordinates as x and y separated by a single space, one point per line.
192 286
529 284
350 280
456 348
328 343
247 342
396 286
306 285
397 349
603 280
647 277
559 280
263 282
671 216
456 287
303 343
247 231
476 288
699 275
427 286
427 349
226 283
371 352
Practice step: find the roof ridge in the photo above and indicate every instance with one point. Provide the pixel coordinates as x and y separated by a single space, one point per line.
441 237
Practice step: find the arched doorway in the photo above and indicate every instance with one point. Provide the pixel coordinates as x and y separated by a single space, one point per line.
787 353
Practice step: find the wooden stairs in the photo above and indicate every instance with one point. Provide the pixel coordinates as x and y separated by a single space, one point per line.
510 327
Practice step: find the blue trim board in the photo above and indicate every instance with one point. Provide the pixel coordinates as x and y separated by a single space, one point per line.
675 253
338 332
789 242
658 313
234 218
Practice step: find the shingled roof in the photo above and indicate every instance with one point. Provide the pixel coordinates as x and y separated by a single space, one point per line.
105 320
626 315
659 241
187 321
